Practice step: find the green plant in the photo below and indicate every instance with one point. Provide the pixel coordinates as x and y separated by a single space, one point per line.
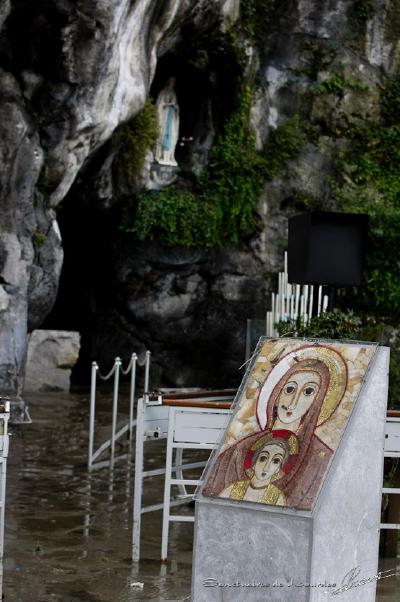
221 207
372 186
39 238
390 103
356 84
284 144
364 9
170 215
255 19
135 138
332 85
335 324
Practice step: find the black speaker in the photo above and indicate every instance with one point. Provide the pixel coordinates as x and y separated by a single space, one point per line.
327 248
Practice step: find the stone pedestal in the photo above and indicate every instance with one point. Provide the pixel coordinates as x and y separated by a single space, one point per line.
161 176
253 553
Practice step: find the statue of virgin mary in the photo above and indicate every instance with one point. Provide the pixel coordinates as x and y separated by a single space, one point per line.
168 119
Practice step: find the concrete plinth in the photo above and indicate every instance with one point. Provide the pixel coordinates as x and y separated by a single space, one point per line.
252 553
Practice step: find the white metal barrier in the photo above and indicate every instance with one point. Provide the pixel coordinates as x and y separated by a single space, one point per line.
116 372
188 428
392 450
4 441
156 421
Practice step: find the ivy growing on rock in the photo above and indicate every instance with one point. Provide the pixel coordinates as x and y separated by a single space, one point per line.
372 185
39 238
135 138
221 207
364 9
332 85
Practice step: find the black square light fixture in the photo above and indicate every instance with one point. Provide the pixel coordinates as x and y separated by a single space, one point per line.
327 248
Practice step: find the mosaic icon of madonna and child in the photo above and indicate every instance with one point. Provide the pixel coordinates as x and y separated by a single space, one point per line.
294 407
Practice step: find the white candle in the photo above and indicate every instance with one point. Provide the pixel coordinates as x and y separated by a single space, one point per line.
310 307
296 309
272 302
319 300
305 293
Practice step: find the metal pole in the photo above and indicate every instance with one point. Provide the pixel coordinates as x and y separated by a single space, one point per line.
132 397
138 483
92 413
3 472
86 528
115 409
146 377
167 485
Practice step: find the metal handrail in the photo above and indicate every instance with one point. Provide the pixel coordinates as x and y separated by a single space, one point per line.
115 371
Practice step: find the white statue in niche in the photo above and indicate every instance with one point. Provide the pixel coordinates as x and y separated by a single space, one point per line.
168 120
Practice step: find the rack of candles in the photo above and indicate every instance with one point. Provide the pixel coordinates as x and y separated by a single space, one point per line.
294 302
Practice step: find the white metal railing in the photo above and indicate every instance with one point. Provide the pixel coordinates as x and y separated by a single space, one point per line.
4 441
156 422
115 372
392 450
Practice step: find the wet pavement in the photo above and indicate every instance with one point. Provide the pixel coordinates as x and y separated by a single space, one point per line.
68 537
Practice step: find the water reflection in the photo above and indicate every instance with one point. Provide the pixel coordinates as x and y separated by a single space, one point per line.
68 534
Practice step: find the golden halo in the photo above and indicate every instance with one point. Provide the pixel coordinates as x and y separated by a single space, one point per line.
337 377
337 382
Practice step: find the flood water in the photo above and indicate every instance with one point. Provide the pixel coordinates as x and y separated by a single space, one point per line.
68 537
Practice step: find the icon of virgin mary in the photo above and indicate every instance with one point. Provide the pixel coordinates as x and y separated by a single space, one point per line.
300 393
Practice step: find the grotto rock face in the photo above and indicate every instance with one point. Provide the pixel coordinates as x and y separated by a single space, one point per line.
70 74
21 160
51 356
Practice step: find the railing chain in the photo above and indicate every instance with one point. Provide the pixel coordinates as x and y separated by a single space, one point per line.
116 371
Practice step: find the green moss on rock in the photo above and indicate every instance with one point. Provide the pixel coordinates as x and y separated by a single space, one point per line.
222 205
135 138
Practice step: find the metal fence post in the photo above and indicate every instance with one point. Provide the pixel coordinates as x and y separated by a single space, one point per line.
132 397
115 409
138 483
146 377
92 412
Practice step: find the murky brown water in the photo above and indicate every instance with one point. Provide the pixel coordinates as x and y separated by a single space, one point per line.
68 539
52 550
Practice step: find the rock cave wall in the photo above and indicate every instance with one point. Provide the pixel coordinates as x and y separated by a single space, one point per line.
71 73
